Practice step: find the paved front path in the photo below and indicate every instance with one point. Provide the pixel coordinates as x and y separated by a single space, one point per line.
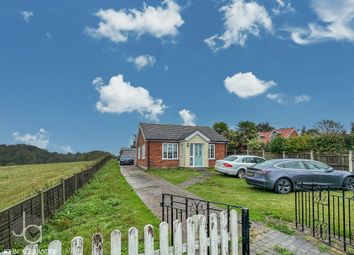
263 239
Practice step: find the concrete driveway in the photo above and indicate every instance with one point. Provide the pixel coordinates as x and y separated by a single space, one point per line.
150 187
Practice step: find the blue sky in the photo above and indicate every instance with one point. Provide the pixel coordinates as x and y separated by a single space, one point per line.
80 75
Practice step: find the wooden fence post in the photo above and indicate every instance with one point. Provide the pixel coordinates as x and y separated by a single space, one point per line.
247 152
263 153
311 154
350 161
63 185
42 207
164 238
284 155
10 228
116 243
75 180
133 239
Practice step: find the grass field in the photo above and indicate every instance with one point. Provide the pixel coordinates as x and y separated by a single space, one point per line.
19 182
105 204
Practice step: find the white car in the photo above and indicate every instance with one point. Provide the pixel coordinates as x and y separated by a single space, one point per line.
237 164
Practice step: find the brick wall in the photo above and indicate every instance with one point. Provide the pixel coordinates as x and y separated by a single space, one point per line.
220 153
156 157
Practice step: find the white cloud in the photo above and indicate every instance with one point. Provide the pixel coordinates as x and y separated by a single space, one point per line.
335 23
278 97
142 61
39 139
188 118
246 85
98 81
27 15
67 149
302 99
240 19
283 6
119 96
117 25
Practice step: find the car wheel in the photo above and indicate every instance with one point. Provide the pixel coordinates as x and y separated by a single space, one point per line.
349 183
283 186
241 173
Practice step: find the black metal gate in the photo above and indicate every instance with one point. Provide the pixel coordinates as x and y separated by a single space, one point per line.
326 214
178 207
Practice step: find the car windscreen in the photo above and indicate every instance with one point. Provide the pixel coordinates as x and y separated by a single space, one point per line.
126 158
230 158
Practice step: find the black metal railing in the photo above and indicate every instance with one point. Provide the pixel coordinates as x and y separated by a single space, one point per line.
178 207
326 213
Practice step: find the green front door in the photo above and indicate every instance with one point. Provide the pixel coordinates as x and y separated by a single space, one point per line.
198 155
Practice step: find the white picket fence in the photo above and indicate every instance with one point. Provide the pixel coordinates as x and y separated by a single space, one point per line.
220 240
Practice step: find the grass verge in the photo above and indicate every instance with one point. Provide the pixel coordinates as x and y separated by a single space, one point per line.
175 175
25 180
105 204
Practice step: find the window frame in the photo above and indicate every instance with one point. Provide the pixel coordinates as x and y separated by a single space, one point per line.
174 151
209 150
143 151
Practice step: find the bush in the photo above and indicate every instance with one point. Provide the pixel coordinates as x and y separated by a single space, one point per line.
298 143
278 144
330 142
256 145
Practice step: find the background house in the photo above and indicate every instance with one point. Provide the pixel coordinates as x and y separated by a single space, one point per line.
267 136
164 146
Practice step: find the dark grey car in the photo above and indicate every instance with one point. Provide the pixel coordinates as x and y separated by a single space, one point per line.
281 175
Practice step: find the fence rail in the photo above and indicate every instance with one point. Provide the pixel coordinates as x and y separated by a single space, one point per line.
219 241
36 209
326 213
341 161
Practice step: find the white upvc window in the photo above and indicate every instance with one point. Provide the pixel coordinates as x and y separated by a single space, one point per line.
211 151
143 151
139 152
170 151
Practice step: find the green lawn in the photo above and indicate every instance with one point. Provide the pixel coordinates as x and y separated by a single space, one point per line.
176 175
24 180
228 189
105 204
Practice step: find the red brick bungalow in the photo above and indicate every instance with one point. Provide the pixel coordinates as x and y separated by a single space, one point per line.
168 146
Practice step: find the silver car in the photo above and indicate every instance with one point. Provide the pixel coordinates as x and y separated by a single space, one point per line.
237 164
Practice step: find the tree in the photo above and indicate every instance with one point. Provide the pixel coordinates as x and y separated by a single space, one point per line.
133 144
278 144
298 143
330 127
330 142
222 128
264 126
246 131
256 145
352 128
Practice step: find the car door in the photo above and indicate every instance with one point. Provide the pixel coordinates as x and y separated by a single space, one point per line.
248 161
322 174
298 172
